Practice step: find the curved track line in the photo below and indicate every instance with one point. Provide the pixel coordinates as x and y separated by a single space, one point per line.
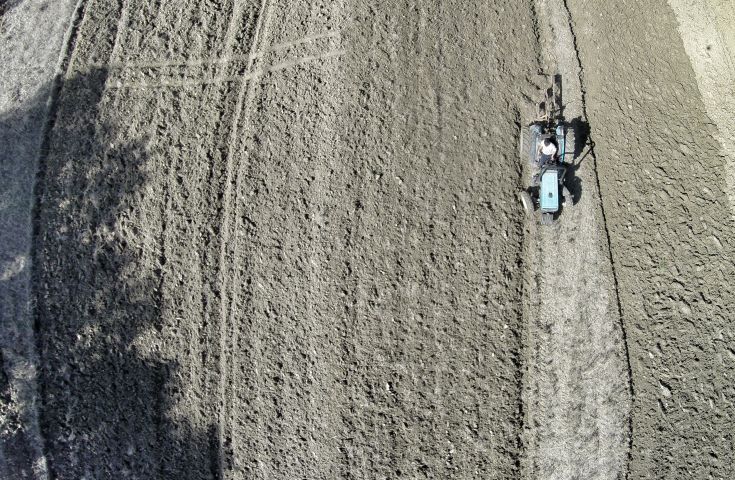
121 23
225 58
577 426
230 199
241 78
618 303
63 65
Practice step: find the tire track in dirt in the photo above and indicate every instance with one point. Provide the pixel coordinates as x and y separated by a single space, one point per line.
184 410
606 227
216 332
193 340
577 394
228 252
284 380
368 166
227 333
225 58
160 217
36 39
238 78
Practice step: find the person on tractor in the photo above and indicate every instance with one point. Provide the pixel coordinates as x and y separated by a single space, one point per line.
547 152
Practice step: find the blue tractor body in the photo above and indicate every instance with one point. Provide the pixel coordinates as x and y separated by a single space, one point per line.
549 191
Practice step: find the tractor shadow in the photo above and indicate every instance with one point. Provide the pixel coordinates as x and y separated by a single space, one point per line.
583 146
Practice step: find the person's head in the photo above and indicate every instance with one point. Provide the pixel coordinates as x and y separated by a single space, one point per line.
547 142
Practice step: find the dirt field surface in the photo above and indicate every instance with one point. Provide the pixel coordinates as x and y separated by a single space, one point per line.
665 195
708 32
32 35
575 426
279 239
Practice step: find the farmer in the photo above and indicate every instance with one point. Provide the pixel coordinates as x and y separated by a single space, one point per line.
548 151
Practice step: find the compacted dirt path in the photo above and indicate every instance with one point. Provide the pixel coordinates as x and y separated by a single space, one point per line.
576 386
280 240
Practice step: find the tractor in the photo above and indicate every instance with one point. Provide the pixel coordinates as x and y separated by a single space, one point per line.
547 191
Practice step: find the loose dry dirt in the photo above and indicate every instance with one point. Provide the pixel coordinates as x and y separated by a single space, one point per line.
576 380
664 188
281 240
707 31
32 35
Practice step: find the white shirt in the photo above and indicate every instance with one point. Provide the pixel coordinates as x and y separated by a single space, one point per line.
548 150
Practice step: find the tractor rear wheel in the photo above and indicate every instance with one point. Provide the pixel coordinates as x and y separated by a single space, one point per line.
527 202
570 148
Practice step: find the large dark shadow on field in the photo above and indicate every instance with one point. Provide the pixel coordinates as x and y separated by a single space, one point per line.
103 404
19 445
7 5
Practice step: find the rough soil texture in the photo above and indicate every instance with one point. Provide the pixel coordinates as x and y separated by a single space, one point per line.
281 240
32 35
664 193
576 382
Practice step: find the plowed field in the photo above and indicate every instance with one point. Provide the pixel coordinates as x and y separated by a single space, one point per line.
277 240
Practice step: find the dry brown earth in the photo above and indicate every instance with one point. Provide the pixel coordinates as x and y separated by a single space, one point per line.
665 195
280 240
576 376
707 30
32 35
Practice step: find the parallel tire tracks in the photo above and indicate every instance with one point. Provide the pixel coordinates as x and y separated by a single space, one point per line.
231 194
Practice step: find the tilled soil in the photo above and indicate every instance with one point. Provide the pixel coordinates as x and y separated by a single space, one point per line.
280 240
32 35
576 382
664 190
